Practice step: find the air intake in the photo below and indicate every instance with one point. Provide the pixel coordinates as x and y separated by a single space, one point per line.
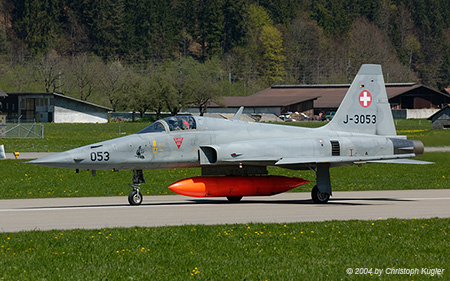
335 148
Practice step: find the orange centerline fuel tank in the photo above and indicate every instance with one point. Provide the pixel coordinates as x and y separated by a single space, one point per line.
236 186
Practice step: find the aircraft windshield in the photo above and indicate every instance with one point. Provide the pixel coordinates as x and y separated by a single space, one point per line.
177 123
174 123
156 127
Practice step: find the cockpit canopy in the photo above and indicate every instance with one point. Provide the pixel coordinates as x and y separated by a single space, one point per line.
173 123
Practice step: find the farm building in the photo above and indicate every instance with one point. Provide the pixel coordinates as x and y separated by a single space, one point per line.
441 119
412 100
52 107
2 96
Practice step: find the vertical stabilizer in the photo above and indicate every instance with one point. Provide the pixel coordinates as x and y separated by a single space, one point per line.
238 114
365 108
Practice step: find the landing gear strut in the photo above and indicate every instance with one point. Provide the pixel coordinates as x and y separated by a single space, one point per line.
322 191
135 196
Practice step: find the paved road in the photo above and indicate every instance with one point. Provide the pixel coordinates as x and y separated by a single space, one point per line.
105 212
437 149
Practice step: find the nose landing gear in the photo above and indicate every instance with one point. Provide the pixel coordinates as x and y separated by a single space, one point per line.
135 197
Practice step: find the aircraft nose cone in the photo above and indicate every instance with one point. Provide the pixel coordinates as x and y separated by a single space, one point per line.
60 160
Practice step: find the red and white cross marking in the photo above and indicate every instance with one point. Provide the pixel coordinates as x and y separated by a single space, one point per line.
365 98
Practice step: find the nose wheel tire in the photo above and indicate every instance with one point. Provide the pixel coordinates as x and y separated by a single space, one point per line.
319 197
135 198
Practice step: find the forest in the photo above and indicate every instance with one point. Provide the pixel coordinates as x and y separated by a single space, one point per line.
162 55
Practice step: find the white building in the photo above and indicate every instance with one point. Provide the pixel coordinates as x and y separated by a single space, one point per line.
52 107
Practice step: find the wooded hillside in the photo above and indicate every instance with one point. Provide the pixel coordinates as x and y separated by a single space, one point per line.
170 53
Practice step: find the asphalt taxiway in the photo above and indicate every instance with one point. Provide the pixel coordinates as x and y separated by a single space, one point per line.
106 212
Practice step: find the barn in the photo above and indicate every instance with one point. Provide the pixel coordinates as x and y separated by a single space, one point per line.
52 107
441 119
410 100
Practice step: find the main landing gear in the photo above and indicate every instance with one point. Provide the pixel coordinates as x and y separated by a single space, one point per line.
135 196
322 191
319 197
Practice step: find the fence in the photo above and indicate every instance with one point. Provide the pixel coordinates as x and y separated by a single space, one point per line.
22 131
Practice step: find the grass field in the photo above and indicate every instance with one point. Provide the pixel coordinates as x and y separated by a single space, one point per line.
21 180
300 251
60 137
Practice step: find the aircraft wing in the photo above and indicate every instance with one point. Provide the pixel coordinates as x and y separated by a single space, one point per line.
348 160
402 161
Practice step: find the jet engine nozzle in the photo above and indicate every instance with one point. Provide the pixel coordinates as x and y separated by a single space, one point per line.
418 147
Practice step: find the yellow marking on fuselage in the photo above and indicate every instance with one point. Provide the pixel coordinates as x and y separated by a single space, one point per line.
154 149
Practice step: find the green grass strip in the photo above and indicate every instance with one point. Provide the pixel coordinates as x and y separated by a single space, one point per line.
294 251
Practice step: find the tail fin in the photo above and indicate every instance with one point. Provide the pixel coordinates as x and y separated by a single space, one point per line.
365 108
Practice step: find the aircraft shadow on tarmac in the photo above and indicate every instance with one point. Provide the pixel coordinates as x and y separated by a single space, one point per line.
332 202
335 201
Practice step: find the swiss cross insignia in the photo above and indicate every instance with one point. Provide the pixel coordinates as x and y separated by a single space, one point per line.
365 98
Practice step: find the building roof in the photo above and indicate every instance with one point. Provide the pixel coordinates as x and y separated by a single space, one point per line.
65 97
325 96
82 101
267 99
438 112
2 94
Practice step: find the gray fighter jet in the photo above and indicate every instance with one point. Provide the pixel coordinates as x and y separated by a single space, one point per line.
234 155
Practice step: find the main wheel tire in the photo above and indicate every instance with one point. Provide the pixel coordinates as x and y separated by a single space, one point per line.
135 198
319 197
234 199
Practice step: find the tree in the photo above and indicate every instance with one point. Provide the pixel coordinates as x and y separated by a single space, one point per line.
202 83
234 27
160 89
304 50
246 62
274 59
135 90
35 23
82 75
48 68
210 27
111 82
105 26
369 45
444 72
412 48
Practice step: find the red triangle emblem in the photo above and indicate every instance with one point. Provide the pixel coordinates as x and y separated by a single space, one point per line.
178 142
